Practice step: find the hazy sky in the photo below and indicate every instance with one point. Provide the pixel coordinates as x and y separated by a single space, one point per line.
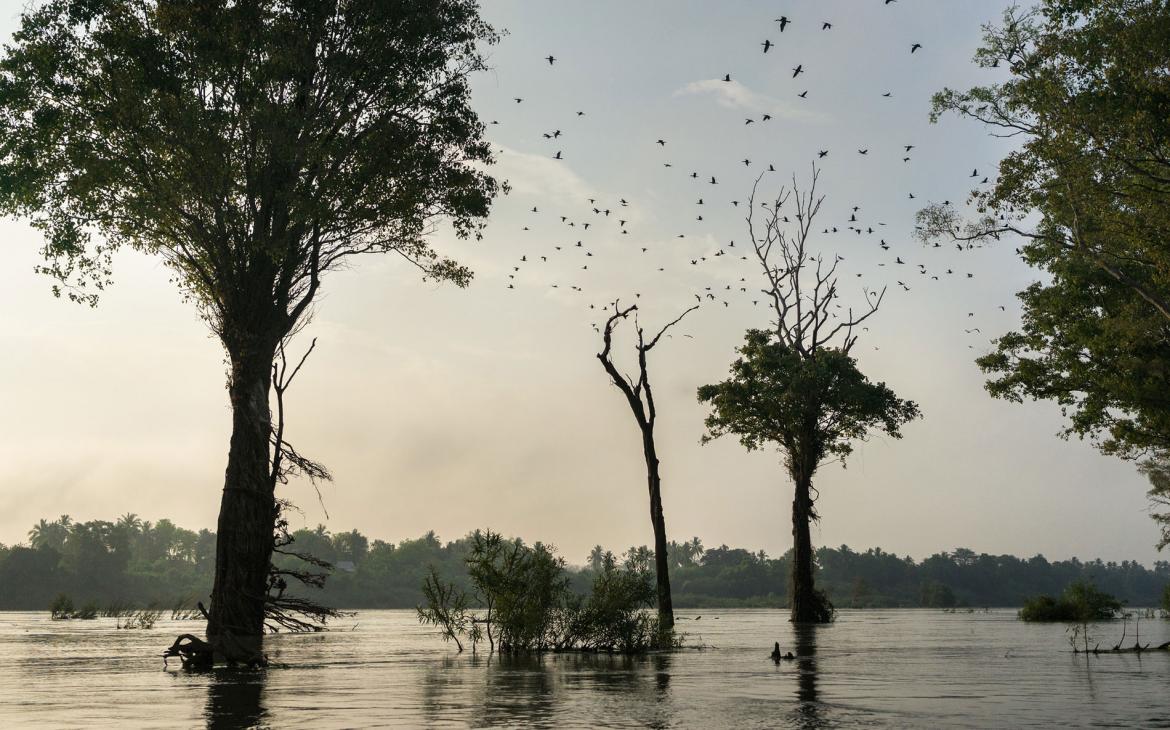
446 409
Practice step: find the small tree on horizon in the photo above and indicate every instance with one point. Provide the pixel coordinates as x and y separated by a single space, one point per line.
795 387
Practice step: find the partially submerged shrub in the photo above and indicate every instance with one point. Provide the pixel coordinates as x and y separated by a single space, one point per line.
1081 602
141 619
62 609
527 603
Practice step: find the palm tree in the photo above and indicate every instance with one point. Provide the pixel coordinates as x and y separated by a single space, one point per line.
596 557
695 550
38 536
130 522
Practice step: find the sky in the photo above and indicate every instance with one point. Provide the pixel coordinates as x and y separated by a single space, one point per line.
447 409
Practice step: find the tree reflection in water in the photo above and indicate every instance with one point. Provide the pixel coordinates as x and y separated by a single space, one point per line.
530 689
235 699
808 708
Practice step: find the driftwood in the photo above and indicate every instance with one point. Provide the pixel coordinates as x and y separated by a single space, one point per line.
195 653
1135 649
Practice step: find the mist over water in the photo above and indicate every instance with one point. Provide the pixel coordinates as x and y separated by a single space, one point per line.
874 668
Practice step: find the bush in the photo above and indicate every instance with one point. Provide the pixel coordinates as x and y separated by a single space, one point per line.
1081 602
62 607
528 605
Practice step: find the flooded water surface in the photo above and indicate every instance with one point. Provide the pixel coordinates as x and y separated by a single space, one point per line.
895 668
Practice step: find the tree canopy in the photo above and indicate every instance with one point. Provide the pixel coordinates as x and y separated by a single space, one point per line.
777 397
1088 190
252 145
133 562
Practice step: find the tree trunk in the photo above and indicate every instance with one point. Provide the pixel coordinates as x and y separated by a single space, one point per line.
247 513
807 604
661 566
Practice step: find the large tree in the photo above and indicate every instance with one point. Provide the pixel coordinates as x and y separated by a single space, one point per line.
252 146
1087 193
795 386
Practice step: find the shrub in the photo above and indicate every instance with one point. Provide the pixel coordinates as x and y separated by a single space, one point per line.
1081 602
528 604
62 607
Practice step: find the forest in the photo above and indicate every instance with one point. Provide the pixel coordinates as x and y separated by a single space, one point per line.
137 562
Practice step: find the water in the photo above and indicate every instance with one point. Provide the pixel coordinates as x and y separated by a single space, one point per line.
895 668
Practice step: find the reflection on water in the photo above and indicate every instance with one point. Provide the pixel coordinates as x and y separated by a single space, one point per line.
895 668
808 713
235 699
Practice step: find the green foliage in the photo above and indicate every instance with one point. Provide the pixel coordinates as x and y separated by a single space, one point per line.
251 145
1157 470
776 396
160 568
1089 98
446 607
1081 603
62 607
937 595
529 605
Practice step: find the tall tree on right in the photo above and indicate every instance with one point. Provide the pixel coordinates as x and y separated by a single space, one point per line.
795 386
1087 192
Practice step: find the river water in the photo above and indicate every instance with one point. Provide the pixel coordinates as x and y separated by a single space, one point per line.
875 668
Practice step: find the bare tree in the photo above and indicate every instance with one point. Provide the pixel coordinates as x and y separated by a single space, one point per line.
640 396
806 319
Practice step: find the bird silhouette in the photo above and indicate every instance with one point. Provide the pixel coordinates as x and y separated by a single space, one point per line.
915 47
798 70
767 44
783 21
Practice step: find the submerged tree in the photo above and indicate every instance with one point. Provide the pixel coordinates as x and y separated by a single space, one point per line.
252 146
640 397
1087 191
796 387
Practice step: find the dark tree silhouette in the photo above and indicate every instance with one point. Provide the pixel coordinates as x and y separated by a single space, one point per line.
252 146
796 386
640 396
1086 192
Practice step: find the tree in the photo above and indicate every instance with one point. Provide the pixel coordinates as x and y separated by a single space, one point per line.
640 397
1088 193
1157 470
796 387
252 146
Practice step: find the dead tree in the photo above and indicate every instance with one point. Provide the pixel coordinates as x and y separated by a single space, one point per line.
640 396
283 611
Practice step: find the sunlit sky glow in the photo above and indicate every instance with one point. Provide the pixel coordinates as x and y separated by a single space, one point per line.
447 409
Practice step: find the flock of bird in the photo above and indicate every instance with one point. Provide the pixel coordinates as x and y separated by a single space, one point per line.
564 261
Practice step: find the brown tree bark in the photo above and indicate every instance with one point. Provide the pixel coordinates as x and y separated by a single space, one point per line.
803 596
248 509
658 521
808 605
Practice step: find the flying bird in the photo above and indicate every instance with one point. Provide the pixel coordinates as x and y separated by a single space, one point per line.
798 70
767 44
915 47
783 21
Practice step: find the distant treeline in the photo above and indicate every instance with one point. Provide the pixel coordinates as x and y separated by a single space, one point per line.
139 562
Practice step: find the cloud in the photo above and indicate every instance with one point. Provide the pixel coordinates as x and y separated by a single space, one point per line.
734 95
541 176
